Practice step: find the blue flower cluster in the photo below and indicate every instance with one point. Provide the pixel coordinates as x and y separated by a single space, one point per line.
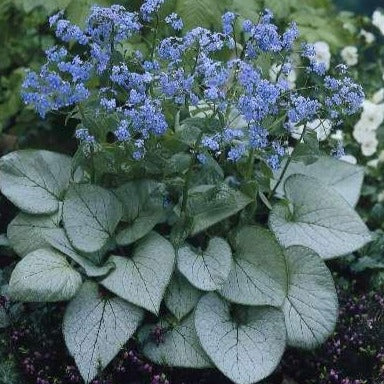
184 71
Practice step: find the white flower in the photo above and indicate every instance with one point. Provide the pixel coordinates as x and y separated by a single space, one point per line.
322 128
368 36
373 163
290 78
338 135
378 20
349 55
378 96
289 150
362 131
349 159
369 147
371 117
380 197
323 54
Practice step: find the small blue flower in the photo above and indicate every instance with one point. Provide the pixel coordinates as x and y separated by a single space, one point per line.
174 21
149 7
228 19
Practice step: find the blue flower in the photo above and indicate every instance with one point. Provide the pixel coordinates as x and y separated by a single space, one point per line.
303 108
228 19
121 132
174 21
149 7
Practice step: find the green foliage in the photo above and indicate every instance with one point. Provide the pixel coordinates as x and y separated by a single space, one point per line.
95 327
90 215
143 278
201 13
266 289
246 344
341 176
9 373
44 275
309 322
207 270
317 217
180 348
35 181
258 275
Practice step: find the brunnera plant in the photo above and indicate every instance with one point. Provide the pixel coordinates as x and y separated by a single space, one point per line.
183 220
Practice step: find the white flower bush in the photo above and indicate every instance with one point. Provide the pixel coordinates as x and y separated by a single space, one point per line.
365 129
378 20
323 53
350 55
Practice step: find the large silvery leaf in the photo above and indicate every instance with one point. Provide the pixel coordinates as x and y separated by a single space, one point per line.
142 207
143 278
180 348
210 204
58 239
96 327
35 181
311 306
317 218
44 275
208 269
247 348
139 195
144 224
343 177
258 275
181 296
90 215
26 233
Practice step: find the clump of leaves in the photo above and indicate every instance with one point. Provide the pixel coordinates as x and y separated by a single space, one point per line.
241 287
180 230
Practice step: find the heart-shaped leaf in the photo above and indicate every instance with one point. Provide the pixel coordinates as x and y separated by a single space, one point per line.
59 240
44 275
143 208
26 233
344 178
180 347
246 345
181 296
210 204
143 278
90 215
311 307
258 275
96 327
140 195
206 270
319 218
35 181
144 224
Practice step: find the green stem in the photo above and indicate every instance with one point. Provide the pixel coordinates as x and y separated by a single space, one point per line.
250 164
155 37
284 171
189 175
93 170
